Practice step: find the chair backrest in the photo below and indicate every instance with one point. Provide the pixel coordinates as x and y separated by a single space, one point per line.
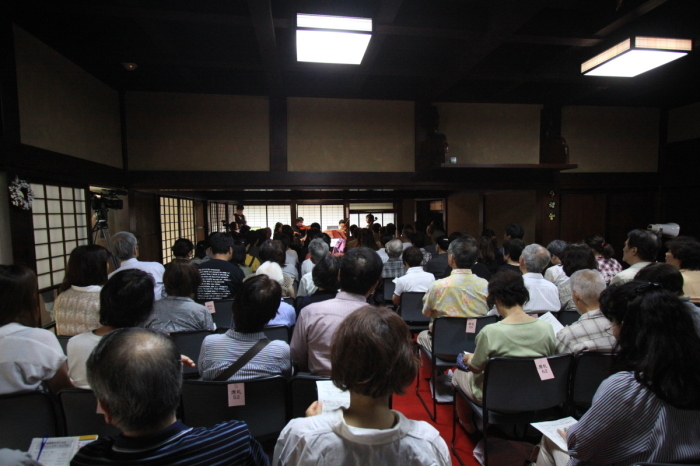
223 317
277 332
514 384
450 335
24 416
63 341
568 317
589 370
80 414
303 392
206 403
389 287
190 344
289 301
411 309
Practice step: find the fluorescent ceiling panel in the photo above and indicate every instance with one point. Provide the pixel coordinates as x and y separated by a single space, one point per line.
635 56
344 23
332 39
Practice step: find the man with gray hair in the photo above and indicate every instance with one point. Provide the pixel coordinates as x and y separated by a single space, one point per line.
544 295
136 376
393 268
125 248
589 332
318 249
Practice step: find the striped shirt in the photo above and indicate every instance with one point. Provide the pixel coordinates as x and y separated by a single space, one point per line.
226 443
393 268
627 423
220 351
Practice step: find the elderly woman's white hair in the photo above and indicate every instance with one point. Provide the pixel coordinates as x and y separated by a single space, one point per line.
272 270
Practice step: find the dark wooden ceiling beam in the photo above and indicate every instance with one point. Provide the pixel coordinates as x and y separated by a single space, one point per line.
261 14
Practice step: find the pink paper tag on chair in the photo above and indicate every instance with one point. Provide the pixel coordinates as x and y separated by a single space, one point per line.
210 307
543 369
471 325
236 394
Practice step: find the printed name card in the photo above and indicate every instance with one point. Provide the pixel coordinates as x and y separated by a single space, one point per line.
471 325
543 369
210 307
236 394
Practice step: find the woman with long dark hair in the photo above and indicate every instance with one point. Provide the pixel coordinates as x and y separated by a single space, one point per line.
607 264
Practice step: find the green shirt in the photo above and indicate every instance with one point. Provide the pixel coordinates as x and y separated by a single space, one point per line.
514 340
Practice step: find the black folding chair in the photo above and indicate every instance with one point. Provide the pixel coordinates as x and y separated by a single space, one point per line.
389 287
80 414
190 344
588 372
568 317
411 311
63 341
277 332
302 392
223 317
26 415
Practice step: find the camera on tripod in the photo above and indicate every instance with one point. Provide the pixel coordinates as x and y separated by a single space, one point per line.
107 199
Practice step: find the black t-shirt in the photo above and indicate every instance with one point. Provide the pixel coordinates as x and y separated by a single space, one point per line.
514 268
220 280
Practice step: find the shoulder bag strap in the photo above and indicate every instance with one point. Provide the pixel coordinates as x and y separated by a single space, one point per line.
242 361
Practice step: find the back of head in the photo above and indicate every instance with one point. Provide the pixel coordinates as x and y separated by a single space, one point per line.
283 238
376 227
394 248
556 247
442 242
418 239
255 303
513 248
588 284
126 300
19 300
135 374
464 252
577 256
666 275
646 242
182 247
686 250
122 245
371 353
87 266
220 243
201 249
407 232
657 341
239 253
508 287
536 258
487 251
515 231
390 229
318 249
413 257
272 270
273 251
367 240
325 273
360 269
181 278
598 244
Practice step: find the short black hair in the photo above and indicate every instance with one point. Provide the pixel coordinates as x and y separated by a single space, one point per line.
182 247
256 303
646 242
666 275
515 231
413 257
273 251
577 256
239 253
418 239
239 207
360 270
687 250
181 278
126 300
508 287
325 273
220 243
513 248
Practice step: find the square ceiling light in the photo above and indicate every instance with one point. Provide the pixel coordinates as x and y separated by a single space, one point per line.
332 39
635 56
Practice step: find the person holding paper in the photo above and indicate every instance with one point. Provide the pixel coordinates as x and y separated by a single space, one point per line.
649 410
372 358
518 335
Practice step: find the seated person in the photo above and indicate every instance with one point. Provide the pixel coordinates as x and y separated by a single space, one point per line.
649 409
555 273
604 252
239 258
588 333
318 249
29 356
544 295
125 247
136 376
177 312
272 255
415 279
325 276
372 358
512 249
126 300
684 254
256 302
393 267
220 278
518 335
641 248
182 248
438 265
575 257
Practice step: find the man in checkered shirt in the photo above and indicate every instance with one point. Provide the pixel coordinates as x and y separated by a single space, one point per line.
592 331
394 268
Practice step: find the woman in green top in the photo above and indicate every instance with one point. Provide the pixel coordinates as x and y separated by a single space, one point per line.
518 335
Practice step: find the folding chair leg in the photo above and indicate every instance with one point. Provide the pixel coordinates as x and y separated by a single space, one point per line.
433 414
455 420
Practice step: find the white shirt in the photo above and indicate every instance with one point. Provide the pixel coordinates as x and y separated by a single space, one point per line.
383 255
306 267
628 275
414 280
155 269
406 245
327 439
79 349
555 274
544 295
306 285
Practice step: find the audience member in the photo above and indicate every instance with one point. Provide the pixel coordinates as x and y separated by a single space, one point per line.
255 305
367 240
604 252
438 265
318 249
382 251
487 253
641 248
125 248
588 333
513 231
201 252
555 273
649 409
272 253
252 243
325 277
394 267
126 300
544 295
462 294
418 241
372 358
136 377
407 236
415 279
684 254
360 270
220 278
28 356
576 256
77 308
182 248
177 312
512 248
239 258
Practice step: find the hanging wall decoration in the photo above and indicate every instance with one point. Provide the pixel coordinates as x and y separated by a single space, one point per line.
21 194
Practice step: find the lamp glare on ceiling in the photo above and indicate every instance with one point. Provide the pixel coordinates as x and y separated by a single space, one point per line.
332 39
635 56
